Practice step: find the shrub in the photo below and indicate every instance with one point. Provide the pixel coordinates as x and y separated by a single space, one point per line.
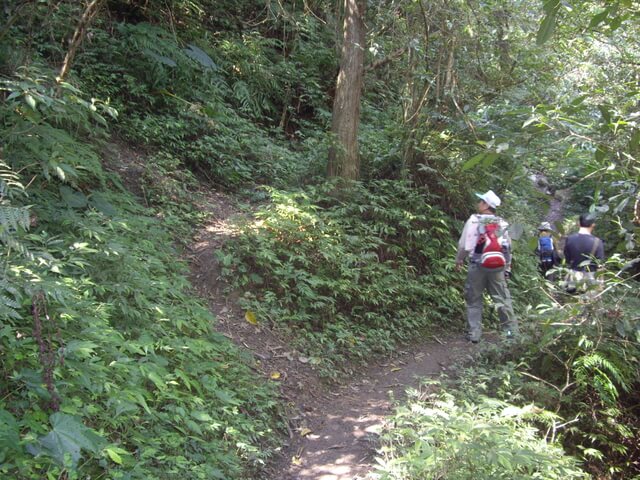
110 367
442 436
353 274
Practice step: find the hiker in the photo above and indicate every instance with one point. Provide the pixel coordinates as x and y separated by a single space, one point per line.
486 241
581 252
546 250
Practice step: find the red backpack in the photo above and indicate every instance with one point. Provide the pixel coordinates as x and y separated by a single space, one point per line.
489 246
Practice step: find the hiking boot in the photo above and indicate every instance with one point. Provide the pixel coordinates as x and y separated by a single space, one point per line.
509 335
472 340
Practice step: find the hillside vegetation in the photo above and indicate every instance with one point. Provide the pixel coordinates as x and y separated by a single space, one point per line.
111 367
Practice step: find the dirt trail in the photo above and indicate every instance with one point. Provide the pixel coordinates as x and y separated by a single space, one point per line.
333 427
346 421
557 203
557 199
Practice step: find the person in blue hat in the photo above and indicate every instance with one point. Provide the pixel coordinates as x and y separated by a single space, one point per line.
485 241
546 251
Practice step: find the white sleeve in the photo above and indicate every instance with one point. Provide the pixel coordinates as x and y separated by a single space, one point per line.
468 238
504 226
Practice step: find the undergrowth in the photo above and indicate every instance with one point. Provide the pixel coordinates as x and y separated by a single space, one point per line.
213 104
586 367
465 436
560 402
352 275
110 367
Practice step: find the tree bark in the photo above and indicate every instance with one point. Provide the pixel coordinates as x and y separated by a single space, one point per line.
344 160
78 36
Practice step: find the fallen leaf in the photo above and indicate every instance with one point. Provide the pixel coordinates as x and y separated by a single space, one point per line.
305 431
303 359
396 369
251 317
275 375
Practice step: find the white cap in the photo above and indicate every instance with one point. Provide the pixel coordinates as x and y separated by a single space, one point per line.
490 198
545 226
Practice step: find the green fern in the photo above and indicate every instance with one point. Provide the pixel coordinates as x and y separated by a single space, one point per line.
13 218
602 374
9 182
243 96
10 299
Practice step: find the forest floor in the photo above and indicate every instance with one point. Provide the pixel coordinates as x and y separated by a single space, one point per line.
557 204
333 425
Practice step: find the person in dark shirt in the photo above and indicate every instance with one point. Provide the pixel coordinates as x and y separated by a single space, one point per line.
582 250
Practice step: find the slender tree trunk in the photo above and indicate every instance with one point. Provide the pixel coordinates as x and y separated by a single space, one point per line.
418 94
411 113
78 36
344 161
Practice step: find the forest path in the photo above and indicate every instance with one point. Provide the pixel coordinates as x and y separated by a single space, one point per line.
332 425
557 200
557 204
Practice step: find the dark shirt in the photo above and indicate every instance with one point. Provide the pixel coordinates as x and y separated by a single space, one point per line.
579 248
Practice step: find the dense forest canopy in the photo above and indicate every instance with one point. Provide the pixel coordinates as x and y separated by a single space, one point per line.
357 131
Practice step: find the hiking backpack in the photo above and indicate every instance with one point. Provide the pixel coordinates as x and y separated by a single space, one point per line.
545 247
489 247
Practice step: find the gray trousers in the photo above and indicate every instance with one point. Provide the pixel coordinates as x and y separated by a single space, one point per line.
479 279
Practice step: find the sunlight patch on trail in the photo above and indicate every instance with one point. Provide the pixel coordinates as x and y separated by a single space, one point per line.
222 227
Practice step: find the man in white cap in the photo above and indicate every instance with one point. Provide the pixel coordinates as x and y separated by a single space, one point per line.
482 232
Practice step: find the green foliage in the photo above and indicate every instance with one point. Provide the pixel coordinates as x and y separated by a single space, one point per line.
595 353
193 103
442 436
42 124
172 192
141 364
68 436
457 96
548 23
110 367
231 152
10 300
583 363
218 102
352 272
12 218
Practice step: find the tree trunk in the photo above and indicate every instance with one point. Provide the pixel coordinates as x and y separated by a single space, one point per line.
78 36
418 91
344 161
